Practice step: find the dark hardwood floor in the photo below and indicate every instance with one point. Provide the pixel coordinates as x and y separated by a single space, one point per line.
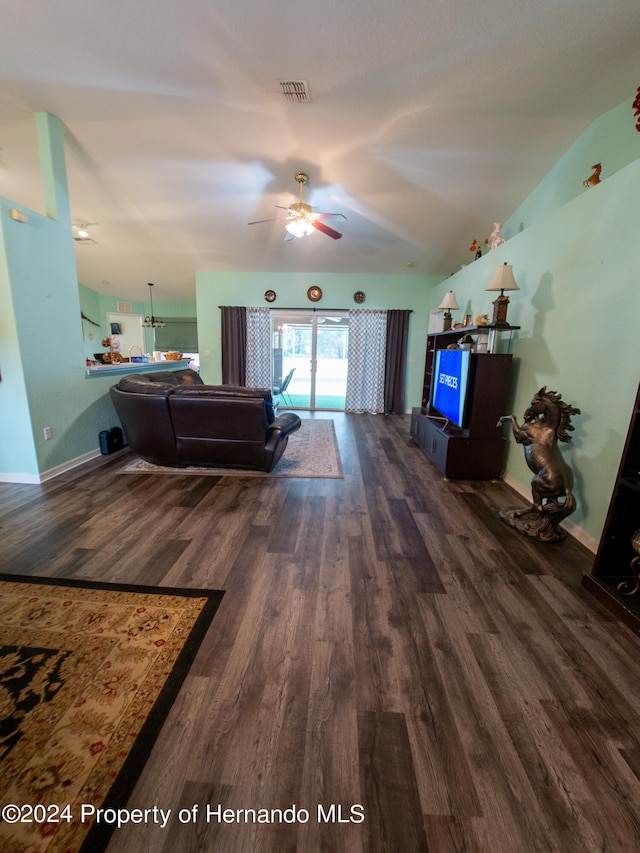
386 649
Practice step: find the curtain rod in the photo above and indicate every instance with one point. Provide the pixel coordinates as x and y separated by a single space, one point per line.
324 310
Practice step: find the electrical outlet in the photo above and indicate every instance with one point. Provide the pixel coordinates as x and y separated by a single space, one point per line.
48 433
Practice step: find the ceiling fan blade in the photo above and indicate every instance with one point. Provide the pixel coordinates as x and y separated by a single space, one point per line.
273 219
340 216
320 226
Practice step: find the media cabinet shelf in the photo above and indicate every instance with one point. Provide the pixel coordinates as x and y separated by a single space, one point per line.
612 564
441 340
477 451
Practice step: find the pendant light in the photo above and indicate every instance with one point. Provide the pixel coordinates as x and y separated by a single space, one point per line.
152 322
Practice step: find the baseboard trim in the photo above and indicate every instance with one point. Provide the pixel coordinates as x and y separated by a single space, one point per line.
571 529
26 479
51 473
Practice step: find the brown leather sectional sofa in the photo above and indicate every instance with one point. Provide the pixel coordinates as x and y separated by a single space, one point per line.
172 418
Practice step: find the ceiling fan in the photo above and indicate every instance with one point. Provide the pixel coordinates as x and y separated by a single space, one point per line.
302 219
81 234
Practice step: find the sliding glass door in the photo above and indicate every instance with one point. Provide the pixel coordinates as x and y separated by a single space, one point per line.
311 349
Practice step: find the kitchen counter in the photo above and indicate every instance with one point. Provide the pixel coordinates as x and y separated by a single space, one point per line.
135 367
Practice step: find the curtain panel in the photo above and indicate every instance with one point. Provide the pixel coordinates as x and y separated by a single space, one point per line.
367 348
396 361
234 344
258 367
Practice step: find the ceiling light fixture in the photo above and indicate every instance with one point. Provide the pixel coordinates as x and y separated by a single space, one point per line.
81 233
299 228
152 322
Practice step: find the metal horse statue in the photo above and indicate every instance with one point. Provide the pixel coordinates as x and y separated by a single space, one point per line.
546 421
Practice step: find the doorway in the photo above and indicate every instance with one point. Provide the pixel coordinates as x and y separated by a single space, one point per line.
312 346
130 333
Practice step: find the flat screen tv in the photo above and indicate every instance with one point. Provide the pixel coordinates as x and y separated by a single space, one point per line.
449 384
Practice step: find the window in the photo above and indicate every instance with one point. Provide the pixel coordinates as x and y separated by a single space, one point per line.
179 333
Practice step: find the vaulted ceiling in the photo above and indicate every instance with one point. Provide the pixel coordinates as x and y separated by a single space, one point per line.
427 121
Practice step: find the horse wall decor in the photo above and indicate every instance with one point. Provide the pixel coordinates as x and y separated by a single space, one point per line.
546 421
593 179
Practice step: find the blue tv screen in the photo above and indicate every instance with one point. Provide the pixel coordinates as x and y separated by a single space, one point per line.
450 377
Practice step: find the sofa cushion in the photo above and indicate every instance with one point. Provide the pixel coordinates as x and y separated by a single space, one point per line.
184 376
163 382
140 384
233 391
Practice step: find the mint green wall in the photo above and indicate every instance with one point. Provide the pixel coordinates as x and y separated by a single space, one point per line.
580 314
16 440
382 291
611 140
90 307
41 349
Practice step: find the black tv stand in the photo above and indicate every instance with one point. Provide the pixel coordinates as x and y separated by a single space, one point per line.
445 424
477 451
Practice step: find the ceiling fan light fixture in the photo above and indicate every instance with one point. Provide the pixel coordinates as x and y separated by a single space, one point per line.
304 219
299 228
81 233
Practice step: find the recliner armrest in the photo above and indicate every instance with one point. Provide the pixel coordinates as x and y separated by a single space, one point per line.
278 435
286 423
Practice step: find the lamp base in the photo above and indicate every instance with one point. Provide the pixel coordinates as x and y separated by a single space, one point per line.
446 321
500 310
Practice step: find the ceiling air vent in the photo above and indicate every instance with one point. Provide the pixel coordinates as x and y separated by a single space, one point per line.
295 91
123 307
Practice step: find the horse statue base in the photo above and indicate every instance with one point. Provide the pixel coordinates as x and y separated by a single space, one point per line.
537 525
546 421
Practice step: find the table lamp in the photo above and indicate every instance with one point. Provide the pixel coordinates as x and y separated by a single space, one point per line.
447 304
502 280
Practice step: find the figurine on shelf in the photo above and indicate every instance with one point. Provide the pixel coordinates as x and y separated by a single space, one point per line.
476 248
113 356
546 421
593 179
494 240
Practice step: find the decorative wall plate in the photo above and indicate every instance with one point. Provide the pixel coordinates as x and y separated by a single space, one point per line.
314 293
359 297
270 296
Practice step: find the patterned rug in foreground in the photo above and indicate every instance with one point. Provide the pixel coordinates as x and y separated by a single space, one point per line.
312 451
88 673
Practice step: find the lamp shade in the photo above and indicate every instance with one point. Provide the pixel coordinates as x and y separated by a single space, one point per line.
503 279
449 302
